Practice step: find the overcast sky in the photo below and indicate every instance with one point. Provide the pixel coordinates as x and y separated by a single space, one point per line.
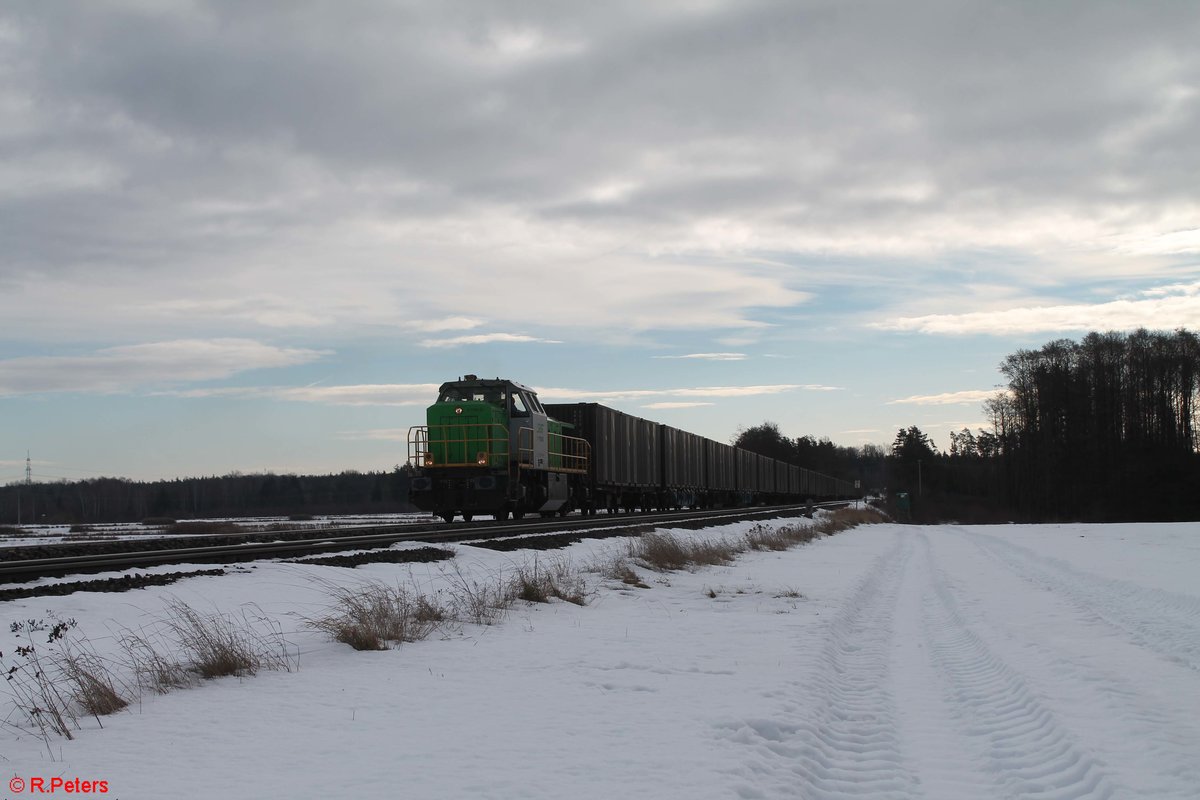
257 235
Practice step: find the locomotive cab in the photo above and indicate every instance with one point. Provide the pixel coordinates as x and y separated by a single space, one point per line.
490 448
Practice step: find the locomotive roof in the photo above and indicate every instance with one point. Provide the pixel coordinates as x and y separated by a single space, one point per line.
471 380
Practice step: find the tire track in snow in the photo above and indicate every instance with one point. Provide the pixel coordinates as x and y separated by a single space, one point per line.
949 764
1030 752
1124 700
840 738
1165 622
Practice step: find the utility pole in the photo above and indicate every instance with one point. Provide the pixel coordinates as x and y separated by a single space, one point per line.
29 484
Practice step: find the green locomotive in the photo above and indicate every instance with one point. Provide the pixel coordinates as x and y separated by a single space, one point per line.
490 448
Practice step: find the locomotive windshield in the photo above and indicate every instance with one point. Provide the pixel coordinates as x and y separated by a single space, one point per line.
518 407
478 394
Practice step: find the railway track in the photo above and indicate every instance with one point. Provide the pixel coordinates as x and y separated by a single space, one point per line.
367 537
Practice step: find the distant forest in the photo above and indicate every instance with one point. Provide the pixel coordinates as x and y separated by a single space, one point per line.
236 495
1100 430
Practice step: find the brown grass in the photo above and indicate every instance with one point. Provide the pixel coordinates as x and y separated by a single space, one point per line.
220 645
546 581
664 552
846 518
475 602
94 687
153 669
378 616
764 537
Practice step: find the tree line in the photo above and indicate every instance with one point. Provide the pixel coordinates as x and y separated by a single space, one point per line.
866 464
233 495
1103 429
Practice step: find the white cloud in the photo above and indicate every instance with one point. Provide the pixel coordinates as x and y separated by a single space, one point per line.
129 367
401 394
710 356
1176 306
267 310
949 398
443 324
485 338
675 405
561 395
375 394
422 394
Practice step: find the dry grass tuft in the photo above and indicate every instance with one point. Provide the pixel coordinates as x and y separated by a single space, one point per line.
764 537
93 686
616 566
630 578
153 669
35 682
546 581
664 552
475 602
377 616
846 518
713 553
220 645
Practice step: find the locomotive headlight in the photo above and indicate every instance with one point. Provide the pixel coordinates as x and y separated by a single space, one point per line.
428 459
481 458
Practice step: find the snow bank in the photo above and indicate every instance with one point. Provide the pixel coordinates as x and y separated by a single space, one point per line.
888 661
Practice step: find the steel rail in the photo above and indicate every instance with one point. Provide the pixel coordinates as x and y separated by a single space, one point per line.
382 535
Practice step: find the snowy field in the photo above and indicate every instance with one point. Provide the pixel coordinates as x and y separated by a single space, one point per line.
885 662
35 535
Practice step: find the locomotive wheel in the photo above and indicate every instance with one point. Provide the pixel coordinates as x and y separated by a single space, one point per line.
467 517
448 516
501 515
517 514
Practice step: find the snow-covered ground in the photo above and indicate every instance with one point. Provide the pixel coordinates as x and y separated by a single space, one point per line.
885 662
35 535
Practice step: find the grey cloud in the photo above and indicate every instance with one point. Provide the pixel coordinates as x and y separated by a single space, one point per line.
252 140
123 369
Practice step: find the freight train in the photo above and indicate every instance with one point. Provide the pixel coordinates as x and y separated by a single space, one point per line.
490 447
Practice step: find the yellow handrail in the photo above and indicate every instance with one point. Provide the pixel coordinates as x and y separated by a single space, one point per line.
574 452
566 453
486 445
465 445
